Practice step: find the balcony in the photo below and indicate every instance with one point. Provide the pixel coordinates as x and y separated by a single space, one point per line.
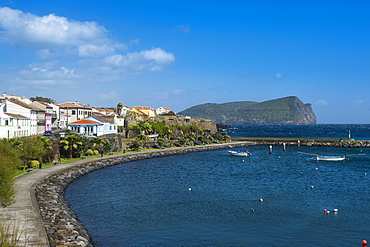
41 121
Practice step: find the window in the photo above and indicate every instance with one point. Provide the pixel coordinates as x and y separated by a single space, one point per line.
73 112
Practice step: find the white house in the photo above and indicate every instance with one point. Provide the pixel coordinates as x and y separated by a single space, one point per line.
75 111
94 126
162 110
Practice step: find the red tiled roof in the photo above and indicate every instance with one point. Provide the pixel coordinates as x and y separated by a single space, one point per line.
142 107
85 122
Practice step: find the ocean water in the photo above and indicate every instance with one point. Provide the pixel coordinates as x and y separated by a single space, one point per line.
150 203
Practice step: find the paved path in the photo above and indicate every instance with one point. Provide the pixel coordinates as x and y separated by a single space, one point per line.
25 215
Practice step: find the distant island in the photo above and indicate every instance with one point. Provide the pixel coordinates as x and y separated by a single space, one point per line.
288 110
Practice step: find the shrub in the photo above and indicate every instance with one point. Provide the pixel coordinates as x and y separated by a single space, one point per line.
161 142
182 140
135 145
33 163
89 152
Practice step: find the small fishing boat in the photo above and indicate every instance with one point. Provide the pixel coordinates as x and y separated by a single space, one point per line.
239 153
330 158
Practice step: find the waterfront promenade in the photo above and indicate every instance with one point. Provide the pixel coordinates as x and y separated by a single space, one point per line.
25 214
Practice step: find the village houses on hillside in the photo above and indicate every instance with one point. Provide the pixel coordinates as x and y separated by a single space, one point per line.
20 116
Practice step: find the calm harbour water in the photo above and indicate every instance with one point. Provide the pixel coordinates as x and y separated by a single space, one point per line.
148 203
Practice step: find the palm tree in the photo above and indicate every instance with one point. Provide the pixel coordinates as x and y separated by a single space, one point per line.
71 142
101 145
119 109
146 127
46 143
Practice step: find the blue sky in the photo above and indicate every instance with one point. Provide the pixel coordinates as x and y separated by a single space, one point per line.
178 54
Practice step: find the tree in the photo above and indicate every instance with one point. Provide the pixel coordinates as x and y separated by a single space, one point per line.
161 142
182 140
146 127
101 145
32 149
71 143
202 139
42 99
119 109
47 145
9 161
135 145
142 138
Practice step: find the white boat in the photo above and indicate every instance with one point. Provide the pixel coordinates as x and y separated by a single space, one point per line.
330 158
239 153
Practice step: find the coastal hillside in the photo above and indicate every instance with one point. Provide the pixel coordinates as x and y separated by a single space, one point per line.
288 110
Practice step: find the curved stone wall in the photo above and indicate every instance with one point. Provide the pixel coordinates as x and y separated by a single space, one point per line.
61 223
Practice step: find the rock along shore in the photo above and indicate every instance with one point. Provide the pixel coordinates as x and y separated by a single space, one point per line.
44 216
61 224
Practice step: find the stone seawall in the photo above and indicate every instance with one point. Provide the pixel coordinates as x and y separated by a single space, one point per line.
61 224
318 142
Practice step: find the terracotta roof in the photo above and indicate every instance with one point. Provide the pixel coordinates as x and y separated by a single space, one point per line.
15 115
142 107
85 122
73 105
102 117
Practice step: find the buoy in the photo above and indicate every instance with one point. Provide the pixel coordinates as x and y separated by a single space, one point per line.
189 189
335 210
253 210
317 168
326 211
364 243
261 200
365 173
243 160
312 187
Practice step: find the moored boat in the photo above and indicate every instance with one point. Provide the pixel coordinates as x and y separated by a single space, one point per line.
239 153
330 158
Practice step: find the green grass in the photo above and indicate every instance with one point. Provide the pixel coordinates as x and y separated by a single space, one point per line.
65 160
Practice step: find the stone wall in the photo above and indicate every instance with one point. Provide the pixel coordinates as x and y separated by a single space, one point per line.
61 224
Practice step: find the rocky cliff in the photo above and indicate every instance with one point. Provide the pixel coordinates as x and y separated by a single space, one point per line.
288 110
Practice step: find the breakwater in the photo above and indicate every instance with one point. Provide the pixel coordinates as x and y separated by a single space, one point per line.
319 142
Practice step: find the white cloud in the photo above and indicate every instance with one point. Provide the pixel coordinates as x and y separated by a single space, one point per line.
182 28
321 102
74 55
147 60
359 102
28 31
278 76
109 95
